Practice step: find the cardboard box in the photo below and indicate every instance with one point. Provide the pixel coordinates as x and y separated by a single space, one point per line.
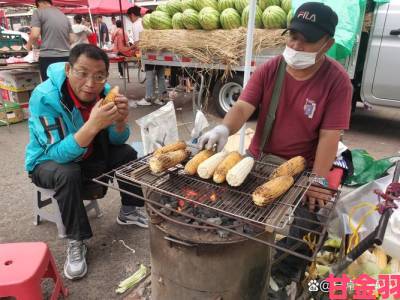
25 110
17 97
19 80
11 113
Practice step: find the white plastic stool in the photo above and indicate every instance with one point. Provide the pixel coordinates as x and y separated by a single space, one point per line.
45 197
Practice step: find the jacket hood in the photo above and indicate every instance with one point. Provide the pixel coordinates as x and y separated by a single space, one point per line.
56 73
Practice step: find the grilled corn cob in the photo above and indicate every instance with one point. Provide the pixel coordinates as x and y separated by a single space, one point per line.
239 172
168 160
228 163
112 94
207 168
292 167
180 145
192 165
271 190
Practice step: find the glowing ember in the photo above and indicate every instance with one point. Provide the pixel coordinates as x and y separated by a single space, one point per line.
213 197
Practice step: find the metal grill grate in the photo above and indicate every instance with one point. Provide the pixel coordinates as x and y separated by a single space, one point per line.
234 202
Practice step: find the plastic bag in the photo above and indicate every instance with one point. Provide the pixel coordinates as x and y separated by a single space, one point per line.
366 168
158 128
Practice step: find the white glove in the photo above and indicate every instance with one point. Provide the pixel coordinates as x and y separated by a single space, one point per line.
218 135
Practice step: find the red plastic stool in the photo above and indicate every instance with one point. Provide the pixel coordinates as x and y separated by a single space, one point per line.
22 267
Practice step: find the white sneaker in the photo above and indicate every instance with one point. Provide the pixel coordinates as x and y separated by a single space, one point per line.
75 266
159 102
143 102
132 103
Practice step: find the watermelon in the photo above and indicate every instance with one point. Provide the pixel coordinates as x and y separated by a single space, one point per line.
200 4
274 17
174 6
266 3
286 5
186 4
289 18
245 17
177 21
146 21
224 4
160 20
191 19
209 18
230 19
241 4
162 7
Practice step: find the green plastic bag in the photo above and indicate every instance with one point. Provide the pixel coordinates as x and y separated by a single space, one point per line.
366 168
351 17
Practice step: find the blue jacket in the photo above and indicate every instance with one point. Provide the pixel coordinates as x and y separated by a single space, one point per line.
53 122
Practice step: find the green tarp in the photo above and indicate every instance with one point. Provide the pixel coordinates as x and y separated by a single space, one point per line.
351 17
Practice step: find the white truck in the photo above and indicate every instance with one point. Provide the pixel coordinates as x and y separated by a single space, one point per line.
373 65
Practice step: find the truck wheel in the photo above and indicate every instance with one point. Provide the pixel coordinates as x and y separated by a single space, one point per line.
226 93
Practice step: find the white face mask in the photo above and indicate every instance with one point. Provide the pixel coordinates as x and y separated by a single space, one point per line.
300 59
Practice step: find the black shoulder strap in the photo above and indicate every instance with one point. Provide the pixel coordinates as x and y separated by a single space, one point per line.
273 105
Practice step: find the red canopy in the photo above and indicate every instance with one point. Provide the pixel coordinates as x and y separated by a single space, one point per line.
55 2
100 7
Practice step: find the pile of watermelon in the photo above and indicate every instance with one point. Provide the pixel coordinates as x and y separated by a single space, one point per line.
217 14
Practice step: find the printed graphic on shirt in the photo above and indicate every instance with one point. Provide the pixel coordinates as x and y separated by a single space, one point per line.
309 108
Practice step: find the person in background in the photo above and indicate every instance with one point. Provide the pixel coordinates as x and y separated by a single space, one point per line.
80 31
102 31
113 25
152 72
54 29
74 138
121 46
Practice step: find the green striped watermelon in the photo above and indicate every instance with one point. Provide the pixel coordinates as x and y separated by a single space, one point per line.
191 19
241 4
209 18
200 4
146 21
160 20
224 4
230 19
274 17
177 21
162 7
266 3
289 18
245 17
174 6
286 5
186 4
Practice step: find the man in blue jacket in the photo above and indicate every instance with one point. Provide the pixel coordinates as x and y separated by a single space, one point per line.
73 139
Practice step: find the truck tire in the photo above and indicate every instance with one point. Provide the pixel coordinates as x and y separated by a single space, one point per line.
226 93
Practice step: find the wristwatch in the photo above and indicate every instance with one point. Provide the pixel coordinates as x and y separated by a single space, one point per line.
321 181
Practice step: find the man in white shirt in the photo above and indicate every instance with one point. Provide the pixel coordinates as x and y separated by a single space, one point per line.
137 26
152 72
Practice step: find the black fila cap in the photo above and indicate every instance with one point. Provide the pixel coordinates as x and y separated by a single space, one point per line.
314 20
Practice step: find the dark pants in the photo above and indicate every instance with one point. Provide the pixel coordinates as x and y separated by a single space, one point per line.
292 267
69 180
45 62
120 65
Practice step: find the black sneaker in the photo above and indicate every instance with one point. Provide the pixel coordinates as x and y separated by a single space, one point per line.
135 217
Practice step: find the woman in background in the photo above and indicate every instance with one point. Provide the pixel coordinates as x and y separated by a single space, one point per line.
80 31
121 46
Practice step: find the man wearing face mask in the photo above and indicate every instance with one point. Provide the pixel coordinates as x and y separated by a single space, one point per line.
314 104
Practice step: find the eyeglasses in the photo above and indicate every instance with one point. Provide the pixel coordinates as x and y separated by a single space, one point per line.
83 75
